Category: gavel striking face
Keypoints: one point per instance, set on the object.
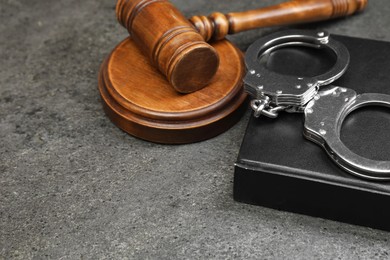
(178, 48)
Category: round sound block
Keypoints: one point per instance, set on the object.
(139, 100)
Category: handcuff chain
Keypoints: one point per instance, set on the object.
(263, 106)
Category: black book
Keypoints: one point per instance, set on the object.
(278, 168)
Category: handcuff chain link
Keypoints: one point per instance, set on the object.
(263, 106)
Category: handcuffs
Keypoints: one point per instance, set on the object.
(324, 110)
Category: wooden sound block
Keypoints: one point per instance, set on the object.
(138, 98)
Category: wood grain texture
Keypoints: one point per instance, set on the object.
(218, 25)
(139, 99)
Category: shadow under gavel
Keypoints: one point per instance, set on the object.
(178, 47)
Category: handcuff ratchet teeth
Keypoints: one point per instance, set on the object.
(324, 110)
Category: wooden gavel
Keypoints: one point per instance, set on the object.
(178, 48)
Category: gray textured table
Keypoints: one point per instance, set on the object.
(73, 186)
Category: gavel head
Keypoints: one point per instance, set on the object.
(170, 41)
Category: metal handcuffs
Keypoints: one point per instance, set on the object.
(324, 110)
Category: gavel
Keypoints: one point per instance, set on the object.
(178, 47)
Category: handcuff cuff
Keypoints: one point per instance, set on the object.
(324, 110)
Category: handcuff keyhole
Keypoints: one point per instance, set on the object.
(301, 61)
(366, 132)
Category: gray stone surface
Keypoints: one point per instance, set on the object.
(73, 186)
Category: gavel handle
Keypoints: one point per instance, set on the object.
(218, 25)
